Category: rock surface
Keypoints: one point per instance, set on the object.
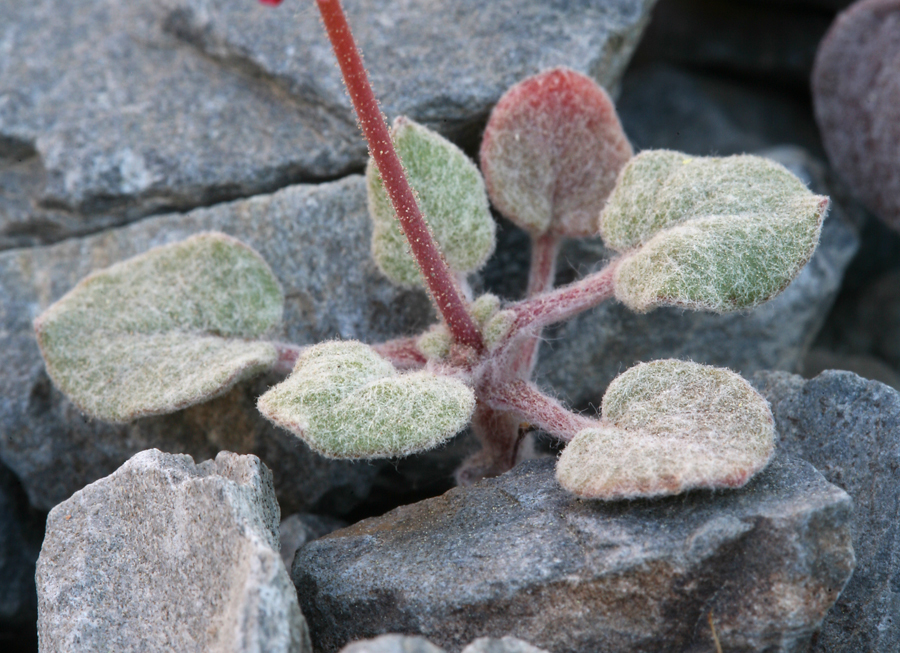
(109, 112)
(583, 355)
(300, 528)
(393, 644)
(849, 428)
(315, 238)
(517, 555)
(856, 93)
(164, 554)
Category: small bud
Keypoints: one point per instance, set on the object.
(670, 426)
(498, 327)
(484, 307)
(451, 195)
(435, 343)
(716, 234)
(163, 330)
(345, 401)
(551, 153)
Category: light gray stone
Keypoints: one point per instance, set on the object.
(128, 120)
(442, 64)
(316, 238)
(503, 645)
(581, 357)
(393, 644)
(166, 555)
(517, 555)
(849, 428)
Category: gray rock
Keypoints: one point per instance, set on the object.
(776, 41)
(393, 644)
(664, 106)
(849, 428)
(503, 645)
(518, 555)
(316, 238)
(21, 532)
(151, 106)
(164, 554)
(128, 120)
(817, 360)
(442, 64)
(300, 528)
(582, 356)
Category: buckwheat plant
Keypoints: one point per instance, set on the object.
(183, 323)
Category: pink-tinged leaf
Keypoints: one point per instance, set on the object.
(551, 153)
(271, 3)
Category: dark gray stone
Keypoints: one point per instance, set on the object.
(316, 238)
(518, 555)
(775, 41)
(166, 555)
(300, 528)
(664, 106)
(582, 356)
(503, 645)
(849, 428)
(818, 360)
(21, 532)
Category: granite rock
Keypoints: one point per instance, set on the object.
(518, 555)
(316, 238)
(849, 428)
(111, 112)
(164, 554)
(127, 120)
(442, 64)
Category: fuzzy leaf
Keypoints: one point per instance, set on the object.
(670, 426)
(345, 401)
(716, 234)
(163, 330)
(551, 153)
(450, 193)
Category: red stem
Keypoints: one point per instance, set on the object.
(564, 302)
(437, 274)
(544, 250)
(538, 409)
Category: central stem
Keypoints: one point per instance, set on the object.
(435, 270)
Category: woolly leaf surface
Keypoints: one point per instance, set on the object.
(717, 234)
(670, 426)
(163, 330)
(345, 401)
(451, 195)
(551, 153)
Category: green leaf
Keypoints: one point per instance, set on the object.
(716, 234)
(670, 426)
(345, 401)
(451, 195)
(163, 330)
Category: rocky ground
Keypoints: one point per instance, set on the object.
(128, 125)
